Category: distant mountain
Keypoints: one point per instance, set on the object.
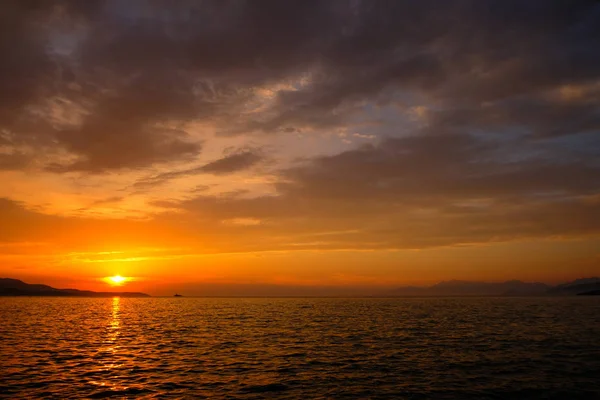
(588, 286)
(15, 287)
(577, 286)
(471, 288)
(580, 281)
(590, 293)
(508, 288)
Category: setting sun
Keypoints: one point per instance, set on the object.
(116, 280)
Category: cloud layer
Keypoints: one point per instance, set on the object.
(328, 124)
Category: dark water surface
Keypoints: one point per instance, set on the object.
(436, 348)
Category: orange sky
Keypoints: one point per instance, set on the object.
(320, 145)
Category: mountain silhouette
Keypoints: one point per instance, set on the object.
(590, 293)
(15, 287)
(508, 288)
(474, 288)
(577, 286)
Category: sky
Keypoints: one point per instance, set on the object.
(290, 145)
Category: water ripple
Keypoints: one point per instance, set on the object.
(469, 348)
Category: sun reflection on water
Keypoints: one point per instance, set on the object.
(114, 325)
(107, 353)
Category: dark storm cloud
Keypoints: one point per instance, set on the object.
(454, 52)
(134, 67)
(545, 115)
(24, 65)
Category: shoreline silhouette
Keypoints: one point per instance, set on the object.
(16, 287)
(512, 288)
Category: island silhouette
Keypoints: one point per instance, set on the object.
(16, 287)
(583, 286)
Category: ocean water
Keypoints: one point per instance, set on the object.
(304, 348)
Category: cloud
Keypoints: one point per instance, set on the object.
(108, 200)
(133, 70)
(14, 161)
(482, 116)
(232, 163)
(240, 160)
(242, 222)
(419, 191)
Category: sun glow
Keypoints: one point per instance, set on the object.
(116, 280)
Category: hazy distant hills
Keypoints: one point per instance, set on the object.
(587, 286)
(508, 288)
(578, 286)
(15, 287)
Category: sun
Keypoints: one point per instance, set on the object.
(116, 280)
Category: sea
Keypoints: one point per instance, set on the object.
(300, 348)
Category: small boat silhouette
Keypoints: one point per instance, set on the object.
(178, 295)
